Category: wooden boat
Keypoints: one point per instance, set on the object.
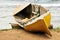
(34, 18)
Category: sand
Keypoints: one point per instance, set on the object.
(20, 34)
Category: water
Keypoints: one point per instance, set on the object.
(55, 12)
(6, 12)
(32, 1)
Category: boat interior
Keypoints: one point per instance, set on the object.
(30, 12)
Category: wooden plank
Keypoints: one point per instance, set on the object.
(20, 8)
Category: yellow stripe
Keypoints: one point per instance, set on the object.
(47, 19)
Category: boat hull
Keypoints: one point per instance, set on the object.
(41, 25)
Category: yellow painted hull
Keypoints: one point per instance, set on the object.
(41, 25)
